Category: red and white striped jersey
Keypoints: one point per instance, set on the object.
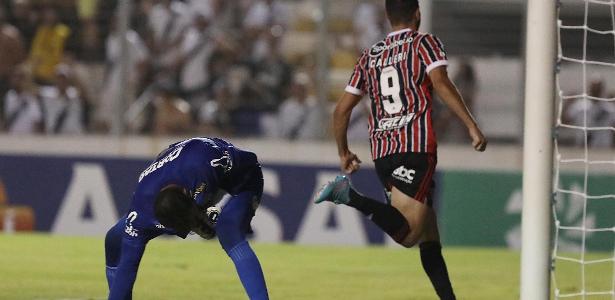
(394, 73)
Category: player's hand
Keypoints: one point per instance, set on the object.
(479, 142)
(349, 162)
(207, 228)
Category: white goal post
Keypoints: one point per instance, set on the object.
(540, 59)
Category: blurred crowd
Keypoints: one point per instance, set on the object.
(207, 67)
(194, 66)
(184, 67)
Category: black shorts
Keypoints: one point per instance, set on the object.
(411, 173)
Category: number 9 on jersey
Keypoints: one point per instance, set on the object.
(390, 89)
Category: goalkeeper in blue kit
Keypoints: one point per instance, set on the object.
(176, 195)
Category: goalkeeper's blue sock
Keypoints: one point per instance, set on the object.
(231, 227)
(249, 271)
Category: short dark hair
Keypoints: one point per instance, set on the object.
(174, 209)
(401, 11)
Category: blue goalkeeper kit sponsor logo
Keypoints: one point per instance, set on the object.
(225, 162)
(129, 229)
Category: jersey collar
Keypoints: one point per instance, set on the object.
(399, 31)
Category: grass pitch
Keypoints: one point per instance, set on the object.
(34, 266)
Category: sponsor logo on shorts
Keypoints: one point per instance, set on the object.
(403, 174)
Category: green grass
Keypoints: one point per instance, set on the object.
(37, 266)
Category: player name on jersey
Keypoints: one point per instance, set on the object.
(376, 51)
(158, 164)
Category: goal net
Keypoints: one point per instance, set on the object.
(583, 257)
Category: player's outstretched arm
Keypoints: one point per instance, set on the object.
(349, 162)
(451, 97)
(126, 274)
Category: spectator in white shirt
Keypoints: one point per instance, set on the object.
(299, 115)
(265, 13)
(592, 112)
(63, 106)
(368, 24)
(196, 50)
(605, 138)
(263, 18)
(137, 58)
(22, 109)
(167, 20)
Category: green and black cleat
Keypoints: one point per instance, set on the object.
(336, 191)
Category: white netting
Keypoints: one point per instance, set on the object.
(584, 174)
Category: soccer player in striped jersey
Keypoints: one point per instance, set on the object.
(399, 75)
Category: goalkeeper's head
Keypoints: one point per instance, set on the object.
(403, 12)
(175, 209)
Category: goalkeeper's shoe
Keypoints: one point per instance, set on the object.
(336, 191)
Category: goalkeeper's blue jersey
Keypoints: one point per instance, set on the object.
(204, 167)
